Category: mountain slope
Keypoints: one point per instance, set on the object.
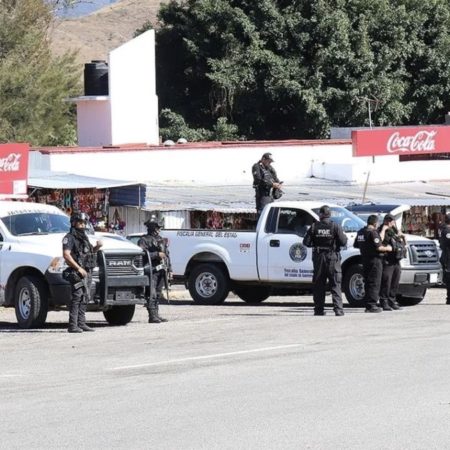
(93, 36)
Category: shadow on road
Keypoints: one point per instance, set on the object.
(11, 327)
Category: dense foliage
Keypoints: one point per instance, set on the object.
(34, 85)
(293, 68)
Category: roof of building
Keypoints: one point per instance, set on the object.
(193, 145)
(241, 198)
(62, 180)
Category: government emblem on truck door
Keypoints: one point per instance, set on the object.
(298, 252)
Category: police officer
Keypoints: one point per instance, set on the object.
(160, 267)
(390, 278)
(444, 242)
(369, 243)
(326, 238)
(78, 253)
(264, 180)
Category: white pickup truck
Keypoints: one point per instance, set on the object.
(31, 266)
(273, 260)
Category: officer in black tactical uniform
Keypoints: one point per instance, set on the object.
(326, 239)
(444, 242)
(79, 255)
(390, 278)
(368, 241)
(160, 267)
(265, 180)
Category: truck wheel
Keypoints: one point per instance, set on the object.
(353, 286)
(252, 294)
(120, 314)
(31, 302)
(208, 284)
(410, 301)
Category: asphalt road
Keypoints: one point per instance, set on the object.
(234, 376)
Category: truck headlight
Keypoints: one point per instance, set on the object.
(57, 265)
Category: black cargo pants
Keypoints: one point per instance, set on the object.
(390, 280)
(327, 267)
(78, 302)
(372, 272)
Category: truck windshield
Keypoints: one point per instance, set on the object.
(36, 223)
(348, 221)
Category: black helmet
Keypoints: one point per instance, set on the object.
(325, 211)
(78, 217)
(152, 225)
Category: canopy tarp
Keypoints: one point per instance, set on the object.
(64, 180)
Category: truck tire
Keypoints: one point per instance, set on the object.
(410, 301)
(208, 284)
(252, 294)
(31, 302)
(120, 314)
(353, 286)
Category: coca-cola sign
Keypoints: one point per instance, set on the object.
(401, 141)
(13, 169)
(10, 163)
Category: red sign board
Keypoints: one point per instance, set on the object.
(401, 141)
(13, 169)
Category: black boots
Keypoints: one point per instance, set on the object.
(153, 312)
(385, 305)
(77, 318)
(394, 305)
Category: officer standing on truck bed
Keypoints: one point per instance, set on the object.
(155, 245)
(369, 242)
(265, 182)
(326, 239)
(79, 255)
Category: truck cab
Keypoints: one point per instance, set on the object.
(31, 266)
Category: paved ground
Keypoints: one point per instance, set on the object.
(234, 376)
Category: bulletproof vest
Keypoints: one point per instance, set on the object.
(267, 176)
(83, 253)
(155, 244)
(366, 244)
(323, 236)
(444, 239)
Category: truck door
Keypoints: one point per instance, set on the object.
(282, 252)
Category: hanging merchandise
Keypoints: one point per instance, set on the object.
(215, 220)
(117, 224)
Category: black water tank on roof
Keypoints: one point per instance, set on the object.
(96, 78)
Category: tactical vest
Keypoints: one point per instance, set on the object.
(323, 236)
(155, 244)
(366, 244)
(83, 253)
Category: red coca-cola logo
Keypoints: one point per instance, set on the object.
(422, 141)
(10, 163)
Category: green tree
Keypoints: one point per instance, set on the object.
(34, 85)
(174, 127)
(293, 68)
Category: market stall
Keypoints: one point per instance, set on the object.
(425, 220)
(96, 197)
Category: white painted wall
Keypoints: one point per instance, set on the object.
(231, 164)
(94, 121)
(132, 90)
(129, 115)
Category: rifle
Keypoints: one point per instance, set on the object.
(87, 289)
(166, 283)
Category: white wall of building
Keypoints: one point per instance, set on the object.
(132, 90)
(129, 114)
(231, 164)
(94, 121)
